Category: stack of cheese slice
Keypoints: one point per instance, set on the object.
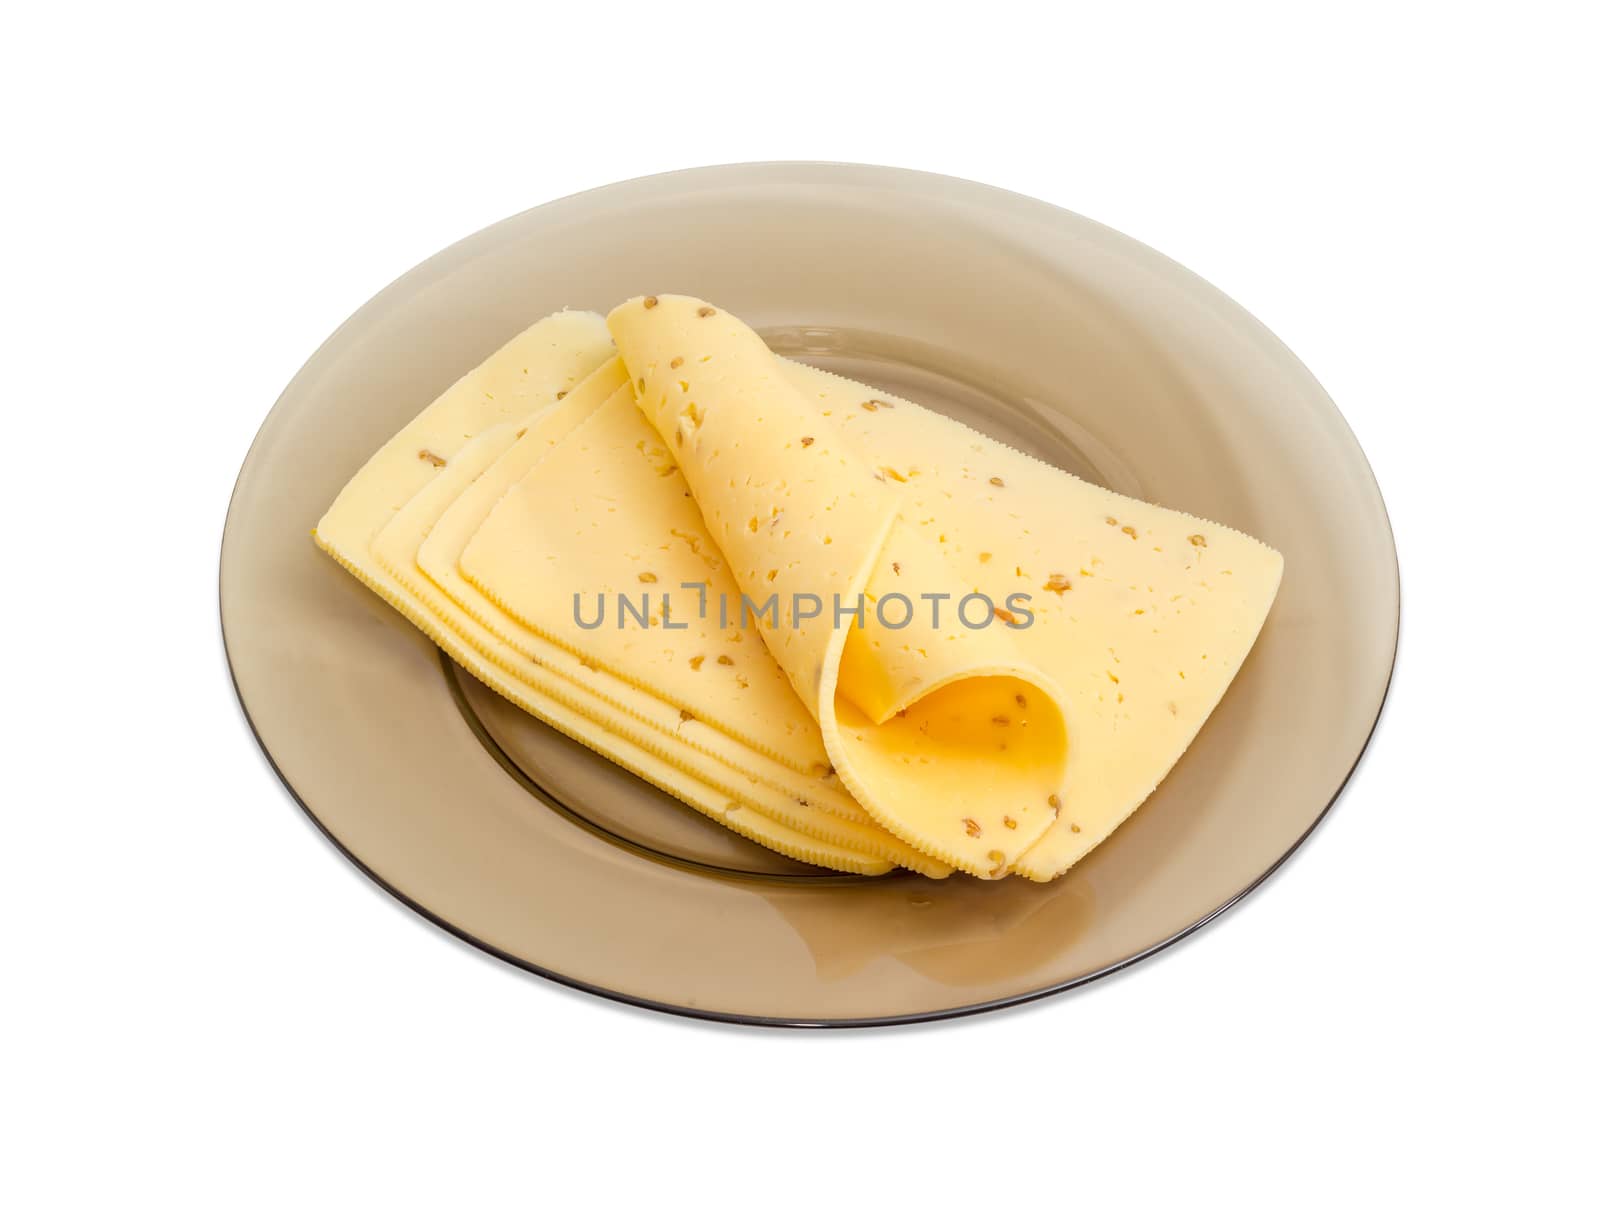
(847, 628)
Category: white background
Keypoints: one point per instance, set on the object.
(208, 1007)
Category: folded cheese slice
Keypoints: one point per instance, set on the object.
(1137, 616)
(934, 719)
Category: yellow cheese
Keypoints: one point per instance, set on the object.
(546, 360)
(698, 457)
(1141, 615)
(944, 731)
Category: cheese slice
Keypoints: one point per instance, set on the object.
(943, 730)
(1139, 616)
(536, 368)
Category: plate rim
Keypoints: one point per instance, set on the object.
(783, 1021)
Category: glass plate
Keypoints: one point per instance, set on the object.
(1032, 324)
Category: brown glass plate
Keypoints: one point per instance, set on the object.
(1043, 329)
